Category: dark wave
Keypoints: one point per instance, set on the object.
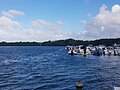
(51, 68)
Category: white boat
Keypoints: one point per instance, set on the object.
(116, 88)
(73, 52)
(93, 50)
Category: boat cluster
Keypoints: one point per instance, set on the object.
(94, 50)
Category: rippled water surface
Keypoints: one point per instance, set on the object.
(51, 68)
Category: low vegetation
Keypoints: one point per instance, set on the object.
(106, 42)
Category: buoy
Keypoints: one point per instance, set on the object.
(79, 85)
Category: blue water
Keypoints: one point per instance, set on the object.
(51, 68)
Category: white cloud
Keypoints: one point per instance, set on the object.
(116, 8)
(45, 25)
(37, 24)
(106, 24)
(12, 13)
(11, 30)
(31, 35)
(60, 22)
(83, 22)
(7, 23)
(8, 27)
(40, 23)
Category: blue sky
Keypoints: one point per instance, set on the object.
(68, 12)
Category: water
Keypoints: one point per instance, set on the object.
(51, 68)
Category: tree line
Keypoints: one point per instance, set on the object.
(73, 42)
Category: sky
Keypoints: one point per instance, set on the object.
(43, 20)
